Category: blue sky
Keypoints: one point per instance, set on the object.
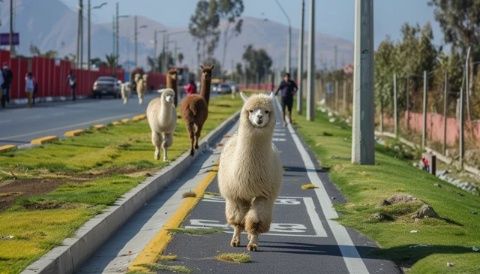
(334, 17)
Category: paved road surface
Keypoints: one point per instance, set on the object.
(304, 237)
(20, 125)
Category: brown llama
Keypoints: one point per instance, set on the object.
(194, 108)
(172, 83)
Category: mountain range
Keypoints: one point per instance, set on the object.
(51, 25)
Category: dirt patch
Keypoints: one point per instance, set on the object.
(10, 191)
(399, 199)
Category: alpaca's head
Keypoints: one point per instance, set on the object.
(136, 77)
(167, 95)
(259, 112)
(207, 72)
(145, 77)
(172, 73)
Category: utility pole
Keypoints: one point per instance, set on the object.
(12, 47)
(300, 61)
(363, 139)
(89, 32)
(289, 39)
(445, 106)
(311, 65)
(461, 142)
(81, 33)
(117, 31)
(335, 57)
(135, 23)
(79, 23)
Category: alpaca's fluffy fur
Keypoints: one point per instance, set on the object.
(141, 82)
(125, 90)
(195, 109)
(162, 119)
(250, 171)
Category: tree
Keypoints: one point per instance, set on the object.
(230, 10)
(111, 61)
(203, 27)
(35, 51)
(385, 67)
(259, 63)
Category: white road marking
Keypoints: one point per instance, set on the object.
(350, 254)
(317, 224)
(279, 201)
(279, 134)
(279, 139)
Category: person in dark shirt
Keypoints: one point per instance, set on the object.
(287, 89)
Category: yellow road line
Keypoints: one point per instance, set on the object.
(159, 242)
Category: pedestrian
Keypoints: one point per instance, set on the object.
(29, 88)
(288, 89)
(72, 83)
(7, 83)
(35, 89)
(1, 89)
(191, 88)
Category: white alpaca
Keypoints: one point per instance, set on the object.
(125, 90)
(234, 91)
(141, 82)
(162, 118)
(250, 171)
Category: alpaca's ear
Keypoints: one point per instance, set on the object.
(271, 95)
(244, 97)
(201, 66)
(160, 90)
(212, 67)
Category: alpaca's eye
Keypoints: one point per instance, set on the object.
(267, 112)
(251, 111)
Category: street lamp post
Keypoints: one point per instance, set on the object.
(89, 30)
(155, 41)
(136, 27)
(289, 38)
(300, 61)
(310, 115)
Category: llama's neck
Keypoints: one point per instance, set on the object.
(171, 83)
(205, 91)
(165, 110)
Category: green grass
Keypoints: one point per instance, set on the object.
(166, 267)
(90, 172)
(239, 258)
(438, 241)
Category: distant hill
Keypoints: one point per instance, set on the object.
(50, 24)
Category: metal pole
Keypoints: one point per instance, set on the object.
(117, 31)
(136, 40)
(81, 34)
(311, 65)
(462, 112)
(12, 47)
(114, 37)
(89, 33)
(155, 44)
(363, 139)
(445, 106)
(424, 123)
(300, 61)
(395, 105)
(77, 57)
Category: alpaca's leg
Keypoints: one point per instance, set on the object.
(140, 97)
(157, 142)
(191, 131)
(167, 142)
(258, 220)
(235, 211)
(197, 135)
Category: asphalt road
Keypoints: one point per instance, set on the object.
(19, 125)
(304, 236)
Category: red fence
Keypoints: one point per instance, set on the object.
(51, 75)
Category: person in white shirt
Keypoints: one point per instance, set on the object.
(29, 88)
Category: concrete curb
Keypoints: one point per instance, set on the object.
(44, 140)
(73, 133)
(75, 250)
(99, 126)
(7, 148)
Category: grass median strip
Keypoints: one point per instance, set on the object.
(78, 177)
(419, 245)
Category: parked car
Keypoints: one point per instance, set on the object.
(106, 85)
(224, 88)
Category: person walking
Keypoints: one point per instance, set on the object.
(288, 88)
(7, 82)
(29, 88)
(72, 83)
(191, 88)
(1, 90)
